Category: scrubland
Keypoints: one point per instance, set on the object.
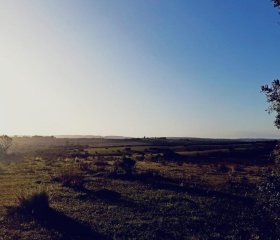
(138, 189)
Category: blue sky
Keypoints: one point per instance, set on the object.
(138, 68)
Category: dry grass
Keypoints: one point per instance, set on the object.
(161, 200)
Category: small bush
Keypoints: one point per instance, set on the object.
(239, 168)
(101, 163)
(268, 198)
(31, 205)
(71, 178)
(85, 166)
(269, 192)
(124, 165)
(149, 175)
(222, 168)
(244, 180)
(169, 154)
(140, 158)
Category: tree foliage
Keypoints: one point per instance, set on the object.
(272, 92)
(276, 3)
(5, 144)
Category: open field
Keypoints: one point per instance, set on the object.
(178, 189)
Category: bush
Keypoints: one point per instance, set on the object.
(85, 166)
(101, 163)
(222, 168)
(268, 198)
(275, 155)
(169, 154)
(269, 192)
(71, 178)
(239, 168)
(149, 175)
(31, 205)
(124, 165)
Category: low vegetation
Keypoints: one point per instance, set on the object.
(30, 205)
(141, 189)
(124, 166)
(71, 177)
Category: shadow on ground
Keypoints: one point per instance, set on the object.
(54, 220)
(108, 196)
(165, 183)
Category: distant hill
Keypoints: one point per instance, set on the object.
(91, 136)
(221, 139)
(77, 136)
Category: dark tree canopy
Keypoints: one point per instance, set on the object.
(276, 3)
(272, 94)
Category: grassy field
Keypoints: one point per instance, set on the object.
(177, 189)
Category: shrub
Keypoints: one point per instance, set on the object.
(34, 204)
(101, 163)
(222, 168)
(275, 155)
(125, 165)
(269, 191)
(85, 166)
(169, 154)
(268, 198)
(139, 158)
(149, 175)
(244, 180)
(71, 178)
(239, 168)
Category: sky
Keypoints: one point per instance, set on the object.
(138, 68)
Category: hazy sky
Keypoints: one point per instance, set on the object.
(135, 68)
